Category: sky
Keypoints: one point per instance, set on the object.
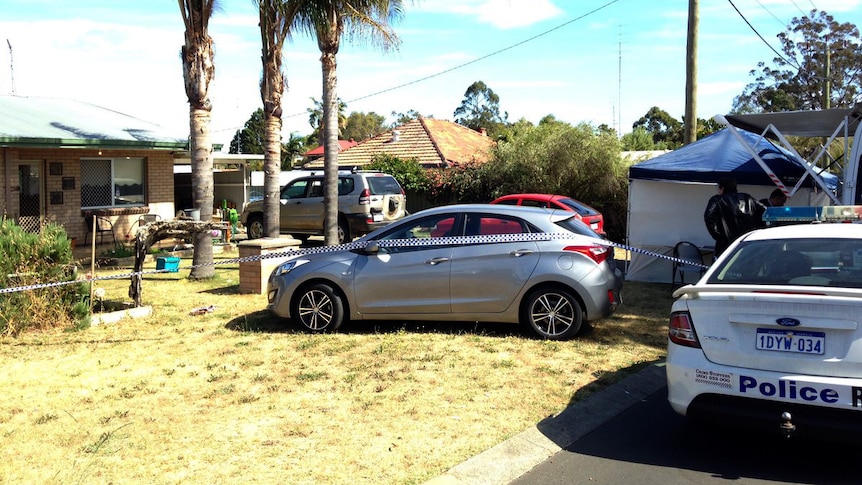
(594, 61)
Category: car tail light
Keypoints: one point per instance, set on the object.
(596, 252)
(681, 330)
(365, 197)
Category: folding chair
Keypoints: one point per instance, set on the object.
(689, 252)
(145, 219)
(103, 226)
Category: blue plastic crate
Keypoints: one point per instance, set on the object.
(171, 264)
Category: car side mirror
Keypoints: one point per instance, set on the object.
(372, 248)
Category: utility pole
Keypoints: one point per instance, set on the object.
(690, 122)
(827, 90)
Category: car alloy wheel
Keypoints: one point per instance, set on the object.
(552, 314)
(319, 309)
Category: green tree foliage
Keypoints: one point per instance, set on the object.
(797, 81)
(410, 115)
(32, 258)
(250, 139)
(362, 126)
(638, 140)
(315, 119)
(407, 172)
(481, 109)
(557, 158)
(292, 150)
(666, 131)
(553, 157)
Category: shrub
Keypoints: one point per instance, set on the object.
(407, 172)
(29, 259)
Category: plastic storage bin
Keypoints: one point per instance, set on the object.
(171, 264)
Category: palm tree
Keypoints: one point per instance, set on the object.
(198, 70)
(315, 118)
(327, 21)
(274, 29)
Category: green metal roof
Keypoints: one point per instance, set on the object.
(64, 123)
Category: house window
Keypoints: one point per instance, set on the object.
(112, 182)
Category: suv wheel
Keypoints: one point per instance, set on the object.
(254, 229)
(343, 232)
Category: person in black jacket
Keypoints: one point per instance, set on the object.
(730, 214)
(776, 199)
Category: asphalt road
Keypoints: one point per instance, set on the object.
(650, 444)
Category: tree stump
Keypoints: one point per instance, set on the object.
(157, 231)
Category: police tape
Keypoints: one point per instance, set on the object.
(382, 243)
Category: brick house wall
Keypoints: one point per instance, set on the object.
(159, 187)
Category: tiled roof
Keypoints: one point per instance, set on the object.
(36, 121)
(432, 142)
(318, 152)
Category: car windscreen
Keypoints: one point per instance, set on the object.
(835, 262)
(581, 209)
(382, 185)
(577, 226)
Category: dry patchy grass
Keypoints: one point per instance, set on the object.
(237, 395)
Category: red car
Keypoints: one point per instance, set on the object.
(589, 215)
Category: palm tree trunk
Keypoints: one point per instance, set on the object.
(271, 170)
(330, 148)
(202, 190)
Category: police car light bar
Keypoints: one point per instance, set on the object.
(835, 213)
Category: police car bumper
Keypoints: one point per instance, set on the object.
(820, 407)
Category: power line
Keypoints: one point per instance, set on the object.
(761, 37)
(797, 7)
(459, 66)
(770, 13)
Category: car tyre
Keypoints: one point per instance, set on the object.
(552, 314)
(343, 232)
(318, 308)
(254, 229)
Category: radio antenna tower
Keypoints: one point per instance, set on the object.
(11, 66)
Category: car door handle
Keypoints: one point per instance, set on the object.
(435, 261)
(521, 252)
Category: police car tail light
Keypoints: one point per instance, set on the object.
(681, 330)
(596, 252)
(365, 197)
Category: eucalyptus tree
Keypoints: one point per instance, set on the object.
(198, 55)
(819, 67)
(327, 21)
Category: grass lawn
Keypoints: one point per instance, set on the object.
(237, 395)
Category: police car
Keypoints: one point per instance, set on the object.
(771, 336)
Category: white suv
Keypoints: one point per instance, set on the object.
(366, 201)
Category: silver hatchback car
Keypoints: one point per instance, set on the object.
(490, 263)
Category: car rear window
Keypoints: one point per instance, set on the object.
(582, 209)
(577, 226)
(382, 185)
(797, 262)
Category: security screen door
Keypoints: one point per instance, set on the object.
(30, 200)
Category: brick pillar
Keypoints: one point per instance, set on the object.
(253, 275)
